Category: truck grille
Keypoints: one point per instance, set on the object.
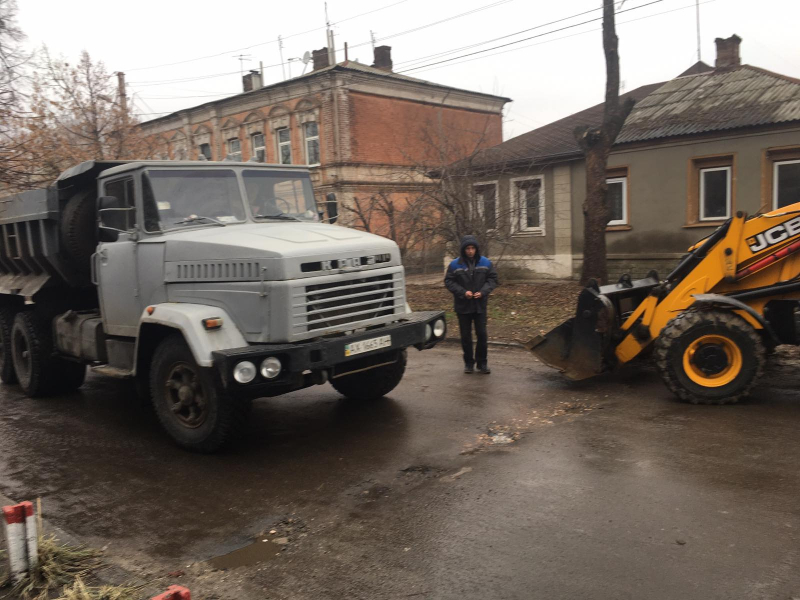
(326, 307)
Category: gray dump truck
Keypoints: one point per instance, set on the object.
(207, 284)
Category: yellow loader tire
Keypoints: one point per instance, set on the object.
(709, 356)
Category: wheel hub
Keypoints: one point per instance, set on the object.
(185, 396)
(711, 359)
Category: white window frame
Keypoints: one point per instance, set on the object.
(624, 181)
(519, 213)
(307, 138)
(286, 143)
(481, 205)
(230, 150)
(775, 166)
(729, 171)
(255, 148)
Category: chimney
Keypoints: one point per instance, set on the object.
(383, 58)
(252, 81)
(320, 59)
(728, 52)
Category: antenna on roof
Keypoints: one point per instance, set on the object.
(372, 37)
(331, 47)
(280, 51)
(242, 58)
(697, 5)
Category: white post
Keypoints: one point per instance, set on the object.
(31, 535)
(14, 520)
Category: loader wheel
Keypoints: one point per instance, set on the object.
(709, 356)
(189, 403)
(372, 384)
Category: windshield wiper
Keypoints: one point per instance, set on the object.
(194, 218)
(281, 216)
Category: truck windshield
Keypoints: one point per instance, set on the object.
(175, 198)
(279, 195)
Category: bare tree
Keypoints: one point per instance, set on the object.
(596, 143)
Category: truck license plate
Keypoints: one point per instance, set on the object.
(367, 345)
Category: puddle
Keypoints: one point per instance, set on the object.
(257, 552)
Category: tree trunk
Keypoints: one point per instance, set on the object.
(596, 143)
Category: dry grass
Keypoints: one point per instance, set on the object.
(58, 566)
(80, 591)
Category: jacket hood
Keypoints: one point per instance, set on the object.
(470, 240)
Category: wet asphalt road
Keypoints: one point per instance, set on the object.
(516, 485)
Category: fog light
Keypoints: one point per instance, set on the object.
(270, 367)
(439, 328)
(244, 372)
(428, 332)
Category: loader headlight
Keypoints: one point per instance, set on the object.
(244, 372)
(270, 367)
(439, 328)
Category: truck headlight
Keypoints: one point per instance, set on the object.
(439, 328)
(244, 372)
(428, 332)
(270, 367)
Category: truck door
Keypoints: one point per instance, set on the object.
(116, 268)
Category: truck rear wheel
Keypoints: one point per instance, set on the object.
(40, 373)
(190, 405)
(709, 356)
(372, 384)
(7, 373)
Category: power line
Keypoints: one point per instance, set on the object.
(286, 37)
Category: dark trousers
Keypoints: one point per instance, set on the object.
(465, 322)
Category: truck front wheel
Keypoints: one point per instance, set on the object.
(372, 384)
(189, 403)
(7, 373)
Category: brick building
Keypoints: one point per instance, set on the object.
(363, 129)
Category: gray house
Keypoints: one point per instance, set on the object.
(693, 151)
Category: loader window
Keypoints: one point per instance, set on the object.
(715, 193)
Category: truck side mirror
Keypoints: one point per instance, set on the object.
(332, 206)
(113, 218)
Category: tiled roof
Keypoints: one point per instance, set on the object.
(715, 101)
(701, 100)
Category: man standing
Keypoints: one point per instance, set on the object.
(471, 278)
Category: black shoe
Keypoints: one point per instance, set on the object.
(469, 369)
(485, 370)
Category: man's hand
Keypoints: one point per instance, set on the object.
(468, 294)
(477, 295)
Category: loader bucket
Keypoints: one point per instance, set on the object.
(583, 346)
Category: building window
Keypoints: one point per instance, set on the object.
(284, 146)
(235, 149)
(715, 193)
(486, 199)
(528, 204)
(617, 199)
(785, 183)
(311, 130)
(205, 150)
(259, 147)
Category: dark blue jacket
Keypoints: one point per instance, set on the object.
(465, 275)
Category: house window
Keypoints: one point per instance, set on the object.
(259, 147)
(205, 150)
(311, 130)
(617, 199)
(528, 204)
(486, 198)
(235, 149)
(284, 146)
(785, 183)
(715, 193)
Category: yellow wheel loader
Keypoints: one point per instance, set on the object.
(709, 324)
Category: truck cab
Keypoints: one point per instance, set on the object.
(216, 283)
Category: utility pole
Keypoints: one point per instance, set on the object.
(280, 51)
(123, 99)
(331, 47)
(697, 6)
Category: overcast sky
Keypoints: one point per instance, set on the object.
(547, 77)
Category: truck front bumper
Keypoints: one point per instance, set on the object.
(304, 364)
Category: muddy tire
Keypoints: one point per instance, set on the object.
(372, 384)
(39, 371)
(7, 373)
(709, 356)
(189, 402)
(79, 232)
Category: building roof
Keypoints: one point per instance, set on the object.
(717, 100)
(348, 66)
(700, 100)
